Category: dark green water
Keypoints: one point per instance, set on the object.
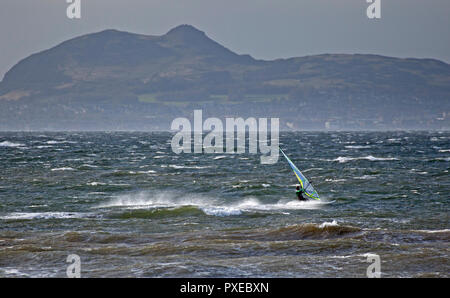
(129, 207)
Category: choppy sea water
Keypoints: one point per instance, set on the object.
(129, 207)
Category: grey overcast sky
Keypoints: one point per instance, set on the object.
(265, 29)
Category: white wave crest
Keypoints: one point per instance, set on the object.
(10, 144)
(342, 159)
(433, 231)
(43, 215)
(358, 147)
(328, 224)
(63, 169)
(221, 211)
(188, 167)
(364, 177)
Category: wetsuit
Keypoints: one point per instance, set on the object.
(299, 194)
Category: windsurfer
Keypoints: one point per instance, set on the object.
(299, 192)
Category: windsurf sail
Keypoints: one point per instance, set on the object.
(306, 185)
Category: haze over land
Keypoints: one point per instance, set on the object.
(118, 80)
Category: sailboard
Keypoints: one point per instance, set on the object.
(304, 182)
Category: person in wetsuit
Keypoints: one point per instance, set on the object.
(299, 192)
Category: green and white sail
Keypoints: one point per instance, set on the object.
(306, 185)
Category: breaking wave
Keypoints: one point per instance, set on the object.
(324, 230)
(173, 203)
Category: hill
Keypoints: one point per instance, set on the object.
(118, 80)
